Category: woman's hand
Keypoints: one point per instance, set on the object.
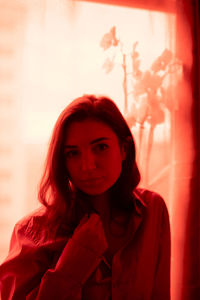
(90, 234)
(83, 252)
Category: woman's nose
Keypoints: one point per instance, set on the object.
(88, 161)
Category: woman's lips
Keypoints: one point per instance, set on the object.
(91, 181)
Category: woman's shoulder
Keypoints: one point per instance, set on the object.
(149, 198)
(35, 217)
(153, 204)
(31, 239)
(33, 226)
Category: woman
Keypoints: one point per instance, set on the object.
(96, 236)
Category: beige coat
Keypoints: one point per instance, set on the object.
(37, 268)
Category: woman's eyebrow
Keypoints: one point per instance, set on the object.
(92, 142)
(70, 146)
(99, 140)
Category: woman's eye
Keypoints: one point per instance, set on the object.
(71, 153)
(101, 147)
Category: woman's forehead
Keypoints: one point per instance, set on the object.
(88, 130)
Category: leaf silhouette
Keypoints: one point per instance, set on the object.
(108, 65)
(162, 61)
(135, 62)
(156, 114)
(109, 39)
(148, 83)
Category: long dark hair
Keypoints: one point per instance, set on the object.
(63, 204)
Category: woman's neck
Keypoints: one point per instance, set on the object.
(101, 204)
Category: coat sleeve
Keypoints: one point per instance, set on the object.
(161, 289)
(28, 272)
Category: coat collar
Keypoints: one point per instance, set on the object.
(136, 220)
(139, 203)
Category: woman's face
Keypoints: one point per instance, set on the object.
(93, 156)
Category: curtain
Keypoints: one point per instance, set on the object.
(185, 211)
